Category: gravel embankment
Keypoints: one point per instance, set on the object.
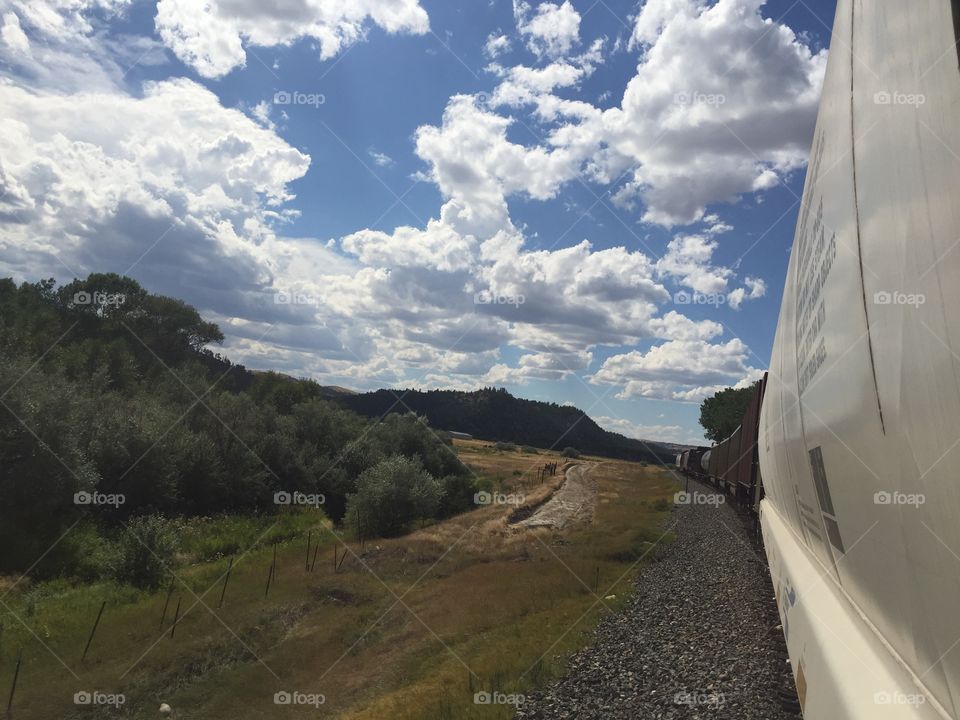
(699, 639)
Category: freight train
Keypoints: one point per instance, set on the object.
(851, 462)
(732, 465)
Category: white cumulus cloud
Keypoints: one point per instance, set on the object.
(211, 36)
(551, 30)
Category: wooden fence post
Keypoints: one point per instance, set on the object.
(226, 579)
(93, 630)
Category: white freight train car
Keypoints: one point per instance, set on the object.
(860, 429)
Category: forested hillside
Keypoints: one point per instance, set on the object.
(495, 414)
(113, 407)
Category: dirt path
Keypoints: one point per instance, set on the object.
(572, 503)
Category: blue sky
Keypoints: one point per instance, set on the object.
(584, 202)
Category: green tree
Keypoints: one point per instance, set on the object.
(147, 549)
(44, 432)
(392, 495)
(721, 414)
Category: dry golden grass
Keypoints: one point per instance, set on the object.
(409, 630)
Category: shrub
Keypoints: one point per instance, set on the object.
(570, 452)
(457, 497)
(147, 548)
(506, 446)
(530, 450)
(392, 495)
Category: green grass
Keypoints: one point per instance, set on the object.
(207, 539)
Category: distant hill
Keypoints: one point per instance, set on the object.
(495, 414)
(335, 391)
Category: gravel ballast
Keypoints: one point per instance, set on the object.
(700, 638)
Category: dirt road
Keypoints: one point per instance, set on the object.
(572, 503)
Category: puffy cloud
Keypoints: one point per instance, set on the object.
(210, 36)
(685, 370)
(13, 35)
(755, 288)
(497, 44)
(70, 50)
(477, 167)
(551, 30)
(722, 103)
(171, 181)
(438, 246)
(688, 259)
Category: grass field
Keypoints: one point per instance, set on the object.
(407, 628)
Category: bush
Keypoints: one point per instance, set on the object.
(530, 450)
(506, 446)
(570, 452)
(147, 548)
(392, 495)
(458, 492)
